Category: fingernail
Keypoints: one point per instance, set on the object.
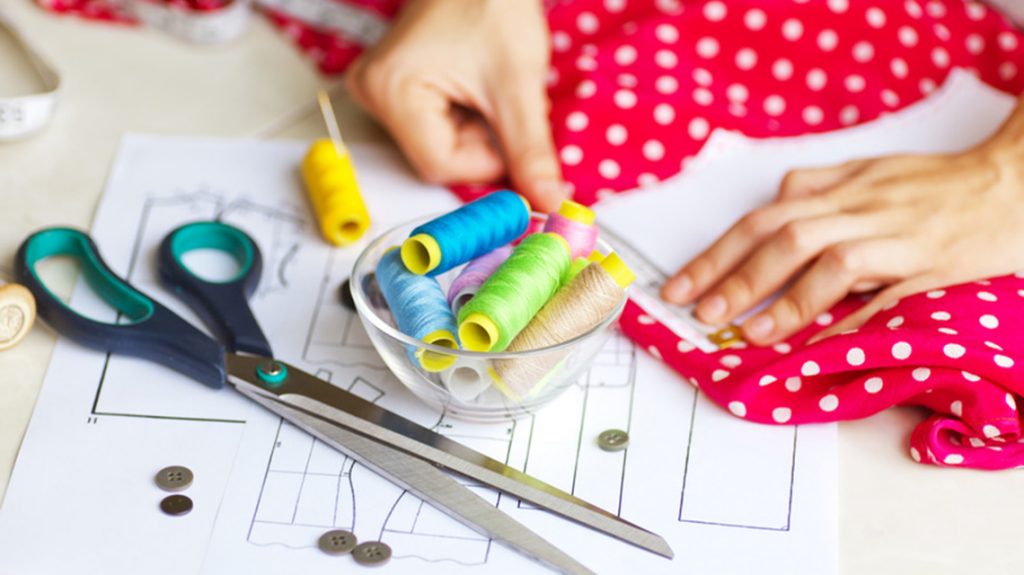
(678, 290)
(711, 309)
(760, 327)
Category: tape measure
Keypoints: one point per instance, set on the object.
(21, 116)
(217, 25)
(645, 292)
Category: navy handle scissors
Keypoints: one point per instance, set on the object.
(408, 454)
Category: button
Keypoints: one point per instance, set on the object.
(372, 553)
(337, 542)
(176, 505)
(613, 440)
(174, 478)
(345, 295)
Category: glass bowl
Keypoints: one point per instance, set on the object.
(478, 386)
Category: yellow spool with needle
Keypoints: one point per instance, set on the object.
(331, 184)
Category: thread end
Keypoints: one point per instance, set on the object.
(618, 270)
(478, 332)
(435, 361)
(421, 253)
(576, 212)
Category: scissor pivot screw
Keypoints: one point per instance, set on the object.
(272, 372)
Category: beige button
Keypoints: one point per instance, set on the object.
(371, 553)
(174, 478)
(613, 440)
(337, 542)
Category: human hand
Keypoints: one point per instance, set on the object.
(905, 224)
(462, 88)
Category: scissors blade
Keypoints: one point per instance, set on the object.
(314, 395)
(430, 484)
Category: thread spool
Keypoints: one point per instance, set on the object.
(466, 379)
(17, 314)
(334, 193)
(467, 233)
(575, 223)
(576, 309)
(516, 291)
(420, 309)
(476, 272)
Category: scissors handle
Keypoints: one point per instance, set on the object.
(152, 331)
(222, 304)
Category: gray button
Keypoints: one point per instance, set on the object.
(174, 478)
(176, 505)
(345, 295)
(372, 553)
(337, 542)
(613, 440)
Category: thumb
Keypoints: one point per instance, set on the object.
(520, 120)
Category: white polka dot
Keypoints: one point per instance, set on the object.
(854, 83)
(737, 93)
(698, 128)
(793, 384)
(810, 368)
(970, 376)
(824, 319)
(1007, 70)
(646, 180)
(921, 374)
(987, 296)
(813, 115)
(873, 385)
(746, 59)
(615, 6)
(719, 375)
(666, 85)
(876, 17)
(586, 63)
(988, 320)
(571, 155)
(774, 105)
(953, 350)
(941, 316)
(616, 134)
(587, 22)
(664, 114)
(940, 57)
(838, 6)
(792, 29)
(849, 115)
(781, 414)
(901, 350)
(927, 86)
(993, 345)
(827, 40)
(667, 33)
(890, 98)
(935, 9)
(766, 380)
(560, 41)
(1010, 401)
(782, 347)
(915, 454)
(947, 331)
(1020, 292)
(645, 319)
(935, 294)
(942, 32)
(953, 459)
(731, 361)
(1003, 361)
(586, 89)
(1007, 41)
(703, 96)
(702, 77)
(975, 11)
(913, 9)
(684, 346)
(816, 79)
(855, 356)
(653, 150)
(715, 11)
(707, 47)
(738, 408)
(829, 403)
(975, 442)
(609, 169)
(957, 408)
(627, 80)
(625, 99)
(782, 69)
(907, 36)
(899, 67)
(666, 58)
(625, 55)
(863, 51)
(990, 431)
(576, 121)
(754, 19)
(894, 322)
(975, 44)
(737, 109)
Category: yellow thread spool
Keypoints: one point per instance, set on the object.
(333, 190)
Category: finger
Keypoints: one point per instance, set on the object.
(827, 281)
(734, 246)
(779, 258)
(809, 181)
(884, 300)
(520, 119)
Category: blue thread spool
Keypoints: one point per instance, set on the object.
(420, 309)
(467, 233)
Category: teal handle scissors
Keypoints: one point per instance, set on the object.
(413, 457)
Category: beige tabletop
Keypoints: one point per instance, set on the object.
(895, 516)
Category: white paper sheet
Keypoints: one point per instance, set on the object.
(729, 496)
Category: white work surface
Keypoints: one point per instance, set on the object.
(895, 516)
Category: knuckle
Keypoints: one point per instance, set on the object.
(791, 310)
(758, 222)
(845, 259)
(702, 270)
(739, 289)
(796, 236)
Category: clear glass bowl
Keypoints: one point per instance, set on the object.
(470, 387)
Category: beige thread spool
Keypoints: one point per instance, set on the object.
(17, 314)
(576, 309)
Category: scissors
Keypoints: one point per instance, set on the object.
(411, 456)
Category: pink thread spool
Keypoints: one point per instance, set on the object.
(575, 223)
(474, 275)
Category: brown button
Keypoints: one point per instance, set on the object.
(176, 505)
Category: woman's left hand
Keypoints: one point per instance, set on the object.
(905, 224)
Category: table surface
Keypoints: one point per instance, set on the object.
(895, 516)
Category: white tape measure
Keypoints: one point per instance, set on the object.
(21, 116)
(198, 27)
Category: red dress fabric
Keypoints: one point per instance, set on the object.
(638, 86)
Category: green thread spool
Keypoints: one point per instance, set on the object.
(516, 291)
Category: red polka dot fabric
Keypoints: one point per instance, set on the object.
(638, 86)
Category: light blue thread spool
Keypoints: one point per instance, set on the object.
(420, 309)
(466, 233)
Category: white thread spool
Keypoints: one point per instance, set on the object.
(466, 379)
